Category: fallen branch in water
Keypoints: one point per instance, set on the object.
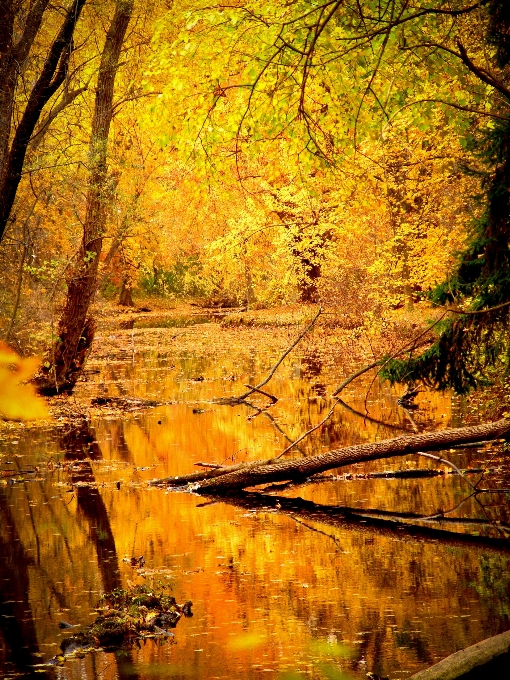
(266, 394)
(416, 473)
(482, 656)
(380, 363)
(445, 461)
(245, 475)
(238, 400)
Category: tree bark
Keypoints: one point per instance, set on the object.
(12, 57)
(490, 657)
(223, 480)
(65, 360)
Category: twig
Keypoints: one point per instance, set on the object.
(497, 526)
(287, 351)
(319, 531)
(442, 513)
(337, 400)
(381, 362)
(411, 419)
(352, 377)
(446, 462)
(272, 421)
(266, 394)
(312, 429)
(391, 426)
(259, 411)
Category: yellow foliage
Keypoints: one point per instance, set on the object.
(18, 401)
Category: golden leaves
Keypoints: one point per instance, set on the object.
(18, 401)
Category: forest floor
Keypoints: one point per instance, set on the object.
(127, 333)
(176, 328)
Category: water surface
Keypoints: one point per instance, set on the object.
(280, 591)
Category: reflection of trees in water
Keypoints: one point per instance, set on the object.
(17, 626)
(311, 367)
(118, 443)
(80, 446)
(412, 549)
(80, 442)
(92, 508)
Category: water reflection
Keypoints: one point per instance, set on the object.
(284, 587)
(17, 627)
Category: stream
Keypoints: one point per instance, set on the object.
(276, 592)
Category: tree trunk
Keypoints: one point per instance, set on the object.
(275, 470)
(126, 293)
(13, 54)
(308, 290)
(76, 330)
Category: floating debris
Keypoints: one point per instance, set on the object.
(135, 561)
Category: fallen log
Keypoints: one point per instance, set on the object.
(274, 470)
(489, 658)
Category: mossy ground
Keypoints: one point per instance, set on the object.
(124, 618)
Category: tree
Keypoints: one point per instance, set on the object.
(333, 74)
(476, 338)
(15, 66)
(76, 328)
